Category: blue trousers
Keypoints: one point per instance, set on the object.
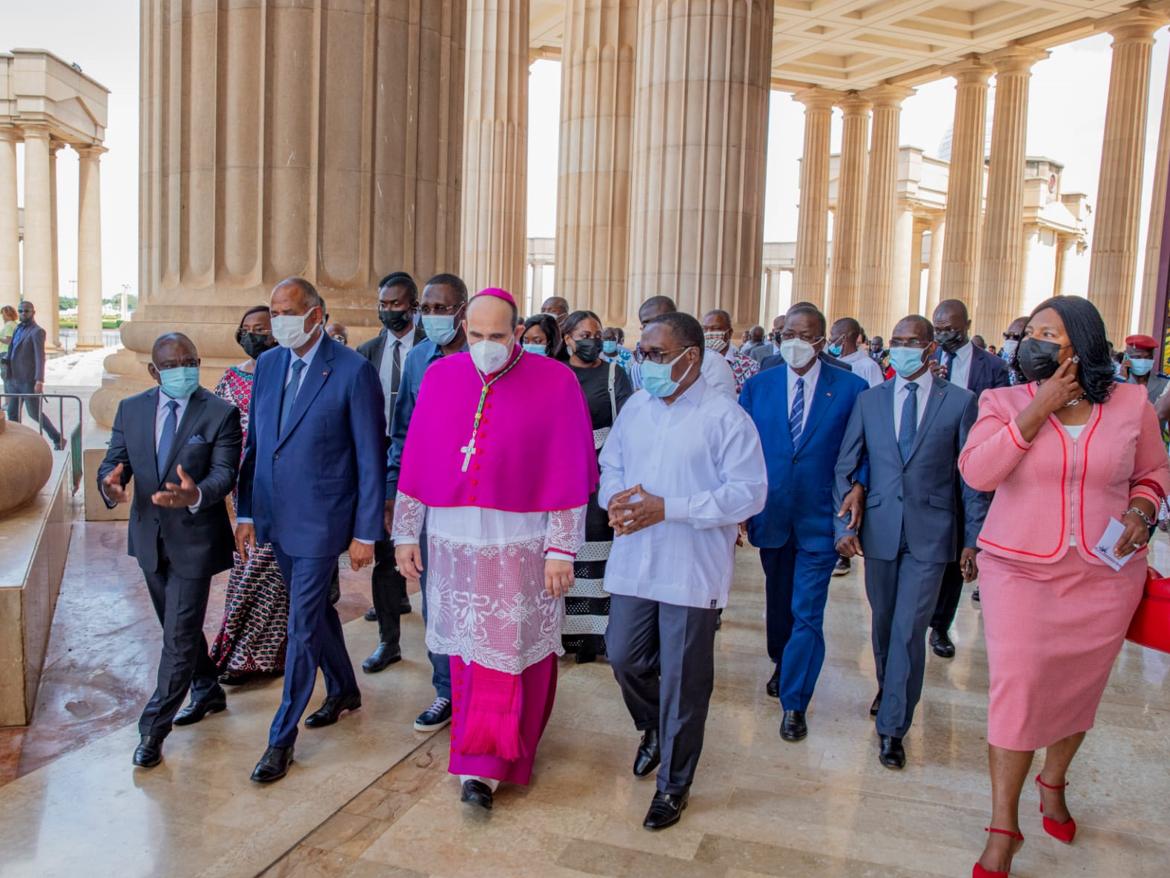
(796, 586)
(440, 664)
(315, 641)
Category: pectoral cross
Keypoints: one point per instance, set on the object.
(467, 450)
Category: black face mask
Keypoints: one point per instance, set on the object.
(253, 343)
(395, 321)
(587, 349)
(1037, 359)
(950, 340)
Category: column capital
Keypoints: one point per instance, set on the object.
(35, 131)
(10, 133)
(817, 98)
(55, 146)
(887, 95)
(853, 104)
(971, 70)
(1016, 59)
(89, 150)
(1136, 25)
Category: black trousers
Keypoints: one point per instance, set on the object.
(948, 597)
(32, 406)
(388, 588)
(180, 604)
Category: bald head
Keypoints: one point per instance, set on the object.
(171, 346)
(298, 292)
(558, 306)
(490, 318)
(845, 332)
(654, 307)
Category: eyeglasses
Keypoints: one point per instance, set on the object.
(1012, 336)
(789, 336)
(429, 309)
(654, 356)
(908, 343)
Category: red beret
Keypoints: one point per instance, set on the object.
(1142, 342)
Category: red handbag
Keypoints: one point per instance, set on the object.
(1150, 626)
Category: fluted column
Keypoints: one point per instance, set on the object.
(52, 339)
(1113, 269)
(812, 231)
(89, 247)
(9, 218)
(593, 182)
(879, 305)
(700, 141)
(903, 295)
(938, 235)
(1001, 269)
(845, 300)
(495, 145)
(958, 276)
(323, 140)
(1155, 230)
(38, 227)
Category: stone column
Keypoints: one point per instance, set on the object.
(38, 227)
(812, 231)
(1001, 270)
(700, 141)
(593, 183)
(538, 285)
(256, 164)
(1113, 269)
(903, 297)
(495, 145)
(52, 337)
(880, 306)
(938, 231)
(89, 247)
(1148, 319)
(847, 227)
(9, 219)
(1068, 252)
(959, 271)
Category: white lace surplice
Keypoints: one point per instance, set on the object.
(486, 601)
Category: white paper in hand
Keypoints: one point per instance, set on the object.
(1104, 547)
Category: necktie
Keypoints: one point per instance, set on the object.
(396, 369)
(949, 363)
(166, 439)
(909, 428)
(796, 416)
(290, 394)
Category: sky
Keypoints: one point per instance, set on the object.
(1065, 122)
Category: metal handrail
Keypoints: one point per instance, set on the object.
(22, 402)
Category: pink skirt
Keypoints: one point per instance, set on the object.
(1053, 632)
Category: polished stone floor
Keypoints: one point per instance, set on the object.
(370, 797)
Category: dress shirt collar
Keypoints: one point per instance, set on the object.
(692, 396)
(962, 355)
(161, 409)
(310, 353)
(923, 381)
(855, 357)
(810, 378)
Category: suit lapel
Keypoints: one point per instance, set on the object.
(380, 350)
(938, 392)
(314, 379)
(886, 410)
(782, 411)
(149, 414)
(822, 398)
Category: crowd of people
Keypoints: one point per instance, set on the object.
(551, 490)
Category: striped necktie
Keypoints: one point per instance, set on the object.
(796, 416)
(166, 438)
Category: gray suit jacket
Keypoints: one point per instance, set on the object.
(26, 354)
(921, 496)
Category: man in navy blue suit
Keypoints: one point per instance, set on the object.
(312, 483)
(962, 363)
(800, 409)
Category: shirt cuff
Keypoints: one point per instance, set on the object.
(243, 520)
(194, 507)
(363, 542)
(677, 508)
(557, 555)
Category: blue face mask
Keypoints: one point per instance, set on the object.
(835, 349)
(440, 328)
(906, 361)
(538, 349)
(180, 382)
(656, 377)
(1141, 367)
(609, 346)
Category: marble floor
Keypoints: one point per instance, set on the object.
(371, 797)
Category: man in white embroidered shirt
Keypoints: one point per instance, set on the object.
(681, 469)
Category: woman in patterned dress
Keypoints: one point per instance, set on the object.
(254, 631)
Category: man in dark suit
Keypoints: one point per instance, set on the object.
(312, 483)
(897, 475)
(397, 306)
(26, 371)
(181, 445)
(964, 364)
(800, 410)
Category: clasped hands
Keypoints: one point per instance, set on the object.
(627, 516)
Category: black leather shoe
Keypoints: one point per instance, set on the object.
(476, 792)
(381, 658)
(877, 704)
(648, 755)
(793, 727)
(148, 753)
(773, 687)
(196, 710)
(665, 810)
(405, 608)
(273, 765)
(941, 644)
(327, 714)
(975, 595)
(891, 755)
(371, 615)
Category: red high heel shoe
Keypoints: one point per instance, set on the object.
(1062, 832)
(981, 872)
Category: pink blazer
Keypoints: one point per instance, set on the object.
(1053, 485)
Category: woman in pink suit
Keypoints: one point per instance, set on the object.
(1064, 454)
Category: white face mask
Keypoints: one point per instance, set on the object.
(797, 352)
(489, 356)
(1010, 345)
(289, 330)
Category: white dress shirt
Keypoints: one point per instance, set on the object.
(810, 387)
(864, 366)
(717, 373)
(961, 367)
(307, 359)
(386, 371)
(702, 455)
(925, 382)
